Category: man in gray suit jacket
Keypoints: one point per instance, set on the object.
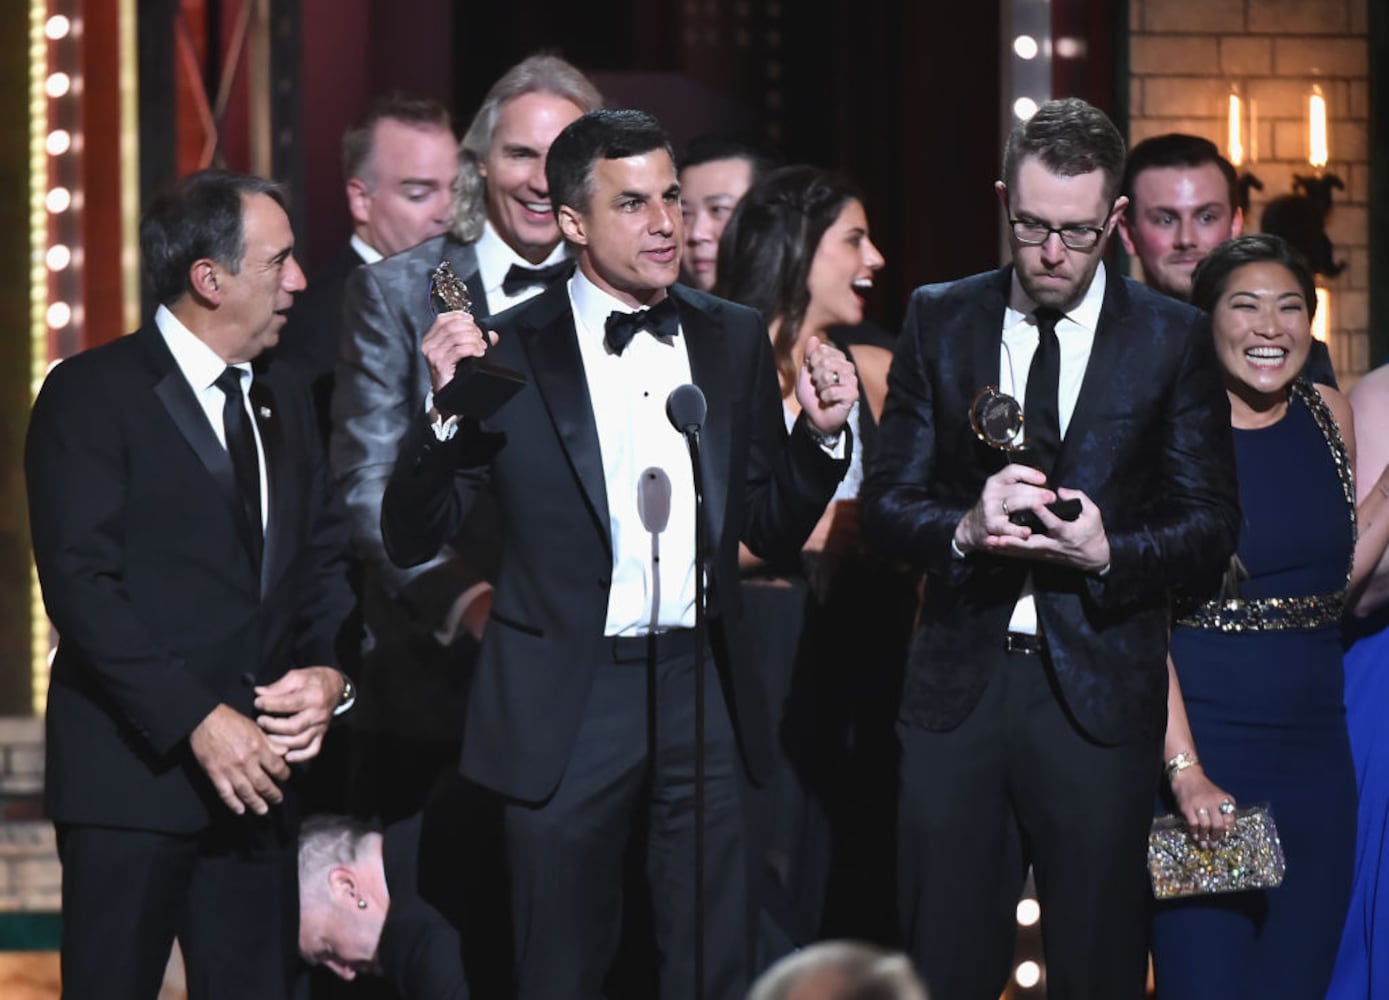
(505, 246)
(400, 166)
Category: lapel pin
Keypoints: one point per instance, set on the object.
(265, 413)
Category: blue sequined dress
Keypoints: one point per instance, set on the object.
(1362, 967)
(1262, 681)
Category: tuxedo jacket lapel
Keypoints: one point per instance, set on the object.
(279, 474)
(983, 324)
(708, 354)
(1100, 380)
(189, 418)
(552, 345)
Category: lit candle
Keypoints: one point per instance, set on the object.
(1234, 141)
(1321, 322)
(1318, 151)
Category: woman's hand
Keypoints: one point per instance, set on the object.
(1208, 809)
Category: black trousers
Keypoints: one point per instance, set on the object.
(230, 896)
(1018, 783)
(627, 792)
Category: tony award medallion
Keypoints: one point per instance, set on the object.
(997, 420)
(478, 387)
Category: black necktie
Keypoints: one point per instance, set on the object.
(241, 446)
(661, 320)
(519, 278)
(1043, 379)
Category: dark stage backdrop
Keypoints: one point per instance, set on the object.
(902, 96)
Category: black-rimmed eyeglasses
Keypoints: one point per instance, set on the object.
(1034, 234)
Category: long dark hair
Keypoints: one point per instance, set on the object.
(769, 243)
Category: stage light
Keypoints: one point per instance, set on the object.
(1029, 912)
(1028, 974)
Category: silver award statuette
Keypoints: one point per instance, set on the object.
(997, 420)
(478, 387)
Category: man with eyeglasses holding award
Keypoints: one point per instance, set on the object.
(1055, 455)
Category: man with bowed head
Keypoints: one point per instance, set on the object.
(1035, 695)
(399, 161)
(580, 721)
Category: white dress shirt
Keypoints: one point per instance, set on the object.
(645, 459)
(201, 366)
(1075, 332)
(494, 260)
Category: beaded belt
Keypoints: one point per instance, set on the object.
(1267, 614)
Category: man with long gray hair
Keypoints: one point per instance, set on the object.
(422, 623)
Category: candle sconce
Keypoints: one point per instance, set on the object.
(1246, 182)
(1298, 217)
(1238, 129)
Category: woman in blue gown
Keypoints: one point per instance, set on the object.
(1255, 666)
(1362, 966)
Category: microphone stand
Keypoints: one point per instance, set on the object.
(692, 440)
(687, 409)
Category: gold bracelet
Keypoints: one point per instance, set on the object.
(1179, 763)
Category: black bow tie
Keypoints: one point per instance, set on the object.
(661, 320)
(519, 278)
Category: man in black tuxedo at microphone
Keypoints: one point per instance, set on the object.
(580, 722)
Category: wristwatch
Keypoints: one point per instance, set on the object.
(347, 699)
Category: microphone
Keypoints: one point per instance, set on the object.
(653, 507)
(686, 408)
(653, 500)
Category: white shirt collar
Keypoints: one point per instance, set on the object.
(365, 250)
(592, 305)
(200, 364)
(1085, 314)
(495, 258)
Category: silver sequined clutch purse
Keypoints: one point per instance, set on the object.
(1249, 858)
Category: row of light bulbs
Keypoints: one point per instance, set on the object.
(59, 199)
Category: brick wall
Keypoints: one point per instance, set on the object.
(1185, 54)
